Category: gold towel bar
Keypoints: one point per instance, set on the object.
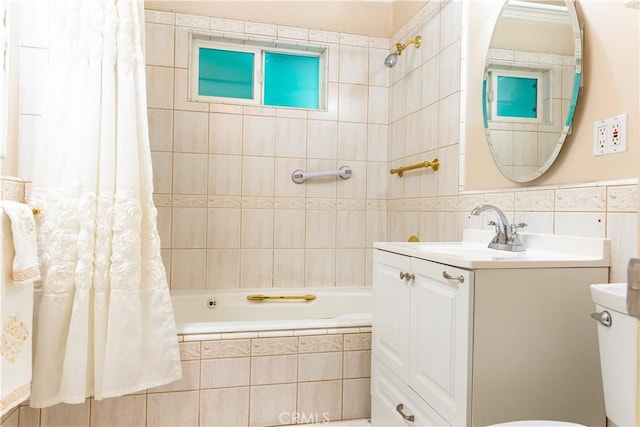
(259, 297)
(435, 164)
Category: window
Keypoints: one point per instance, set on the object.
(257, 73)
(518, 96)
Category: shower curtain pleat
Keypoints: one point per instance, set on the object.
(105, 325)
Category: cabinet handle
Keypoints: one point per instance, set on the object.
(400, 409)
(447, 276)
(407, 276)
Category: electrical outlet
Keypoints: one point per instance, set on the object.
(610, 135)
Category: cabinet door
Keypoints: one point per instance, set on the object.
(440, 341)
(390, 322)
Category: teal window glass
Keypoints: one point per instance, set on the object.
(517, 97)
(291, 80)
(225, 73)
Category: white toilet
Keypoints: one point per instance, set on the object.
(619, 341)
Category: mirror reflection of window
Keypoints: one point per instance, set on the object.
(4, 66)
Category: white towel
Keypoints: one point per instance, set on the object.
(18, 270)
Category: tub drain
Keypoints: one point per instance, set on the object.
(212, 303)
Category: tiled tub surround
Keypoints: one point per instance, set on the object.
(229, 214)
(240, 380)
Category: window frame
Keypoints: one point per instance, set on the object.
(541, 90)
(257, 47)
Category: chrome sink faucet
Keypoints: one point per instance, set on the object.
(506, 237)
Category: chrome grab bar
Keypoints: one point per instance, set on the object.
(260, 297)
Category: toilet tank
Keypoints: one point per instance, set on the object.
(619, 353)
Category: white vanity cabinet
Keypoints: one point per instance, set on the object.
(455, 345)
(421, 330)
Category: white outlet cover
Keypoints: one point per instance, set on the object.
(610, 135)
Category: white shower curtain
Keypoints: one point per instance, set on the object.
(105, 325)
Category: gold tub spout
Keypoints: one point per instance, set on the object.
(261, 297)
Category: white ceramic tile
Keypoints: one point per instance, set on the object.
(377, 142)
(190, 351)
(397, 102)
(622, 229)
(323, 398)
(297, 33)
(232, 372)
(223, 228)
(257, 176)
(160, 17)
(350, 229)
(289, 226)
(350, 267)
(190, 132)
(378, 105)
(274, 346)
(181, 55)
(188, 268)
(190, 379)
(189, 227)
(449, 121)
(29, 131)
(269, 402)
(257, 228)
(227, 25)
(291, 137)
(224, 407)
(225, 134)
(225, 175)
(537, 222)
(322, 139)
(260, 29)
(163, 171)
(160, 129)
(430, 86)
(321, 343)
(378, 73)
(359, 341)
(356, 402)
(581, 199)
(541, 200)
(352, 141)
(226, 348)
(256, 268)
(354, 39)
(182, 94)
(622, 199)
(319, 267)
(450, 19)
(173, 409)
(159, 87)
(357, 364)
(258, 136)
(580, 224)
(320, 366)
(65, 415)
(223, 268)
(320, 228)
(449, 70)
(525, 152)
(159, 49)
(354, 64)
(324, 36)
(274, 369)
(353, 103)
(189, 173)
(193, 21)
(284, 185)
(288, 267)
(164, 226)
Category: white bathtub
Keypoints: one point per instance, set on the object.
(210, 312)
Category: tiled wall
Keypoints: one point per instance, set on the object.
(432, 205)
(13, 189)
(229, 214)
(239, 381)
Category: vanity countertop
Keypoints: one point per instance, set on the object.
(543, 251)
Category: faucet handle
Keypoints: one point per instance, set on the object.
(514, 227)
(495, 224)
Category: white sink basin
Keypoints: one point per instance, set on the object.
(611, 295)
(541, 251)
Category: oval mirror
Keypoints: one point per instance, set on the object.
(531, 84)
